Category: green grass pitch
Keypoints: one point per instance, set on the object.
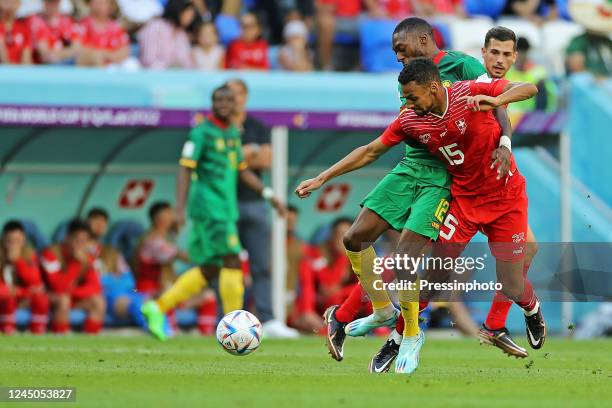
(190, 371)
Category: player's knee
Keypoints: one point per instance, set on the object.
(513, 289)
(98, 304)
(531, 249)
(62, 303)
(353, 239)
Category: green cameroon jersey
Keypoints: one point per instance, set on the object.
(214, 152)
(454, 66)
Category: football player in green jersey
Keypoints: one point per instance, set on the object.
(211, 164)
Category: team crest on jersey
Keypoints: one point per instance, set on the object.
(446, 83)
(220, 144)
(425, 138)
(461, 125)
(518, 238)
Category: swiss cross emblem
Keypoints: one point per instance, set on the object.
(333, 197)
(461, 125)
(135, 193)
(425, 138)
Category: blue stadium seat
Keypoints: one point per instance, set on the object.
(376, 54)
(34, 235)
(445, 31)
(186, 318)
(61, 231)
(491, 8)
(124, 236)
(563, 7)
(228, 28)
(77, 317)
(273, 57)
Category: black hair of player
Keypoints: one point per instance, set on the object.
(414, 25)
(156, 208)
(420, 70)
(522, 44)
(97, 212)
(77, 225)
(174, 9)
(500, 33)
(12, 225)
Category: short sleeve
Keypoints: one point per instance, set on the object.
(394, 134)
(192, 149)
(472, 68)
(488, 86)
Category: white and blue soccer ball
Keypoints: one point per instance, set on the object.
(239, 333)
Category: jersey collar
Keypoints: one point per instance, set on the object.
(446, 110)
(438, 57)
(218, 122)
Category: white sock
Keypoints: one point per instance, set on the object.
(534, 310)
(395, 336)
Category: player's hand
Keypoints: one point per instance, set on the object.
(501, 157)
(306, 187)
(280, 208)
(482, 103)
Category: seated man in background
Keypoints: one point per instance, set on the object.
(55, 36)
(154, 268)
(21, 283)
(122, 300)
(325, 274)
(15, 39)
(73, 280)
(590, 52)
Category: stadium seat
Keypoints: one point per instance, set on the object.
(124, 236)
(228, 28)
(556, 36)
(524, 28)
(490, 8)
(34, 235)
(60, 232)
(445, 32)
(186, 318)
(468, 35)
(273, 57)
(376, 54)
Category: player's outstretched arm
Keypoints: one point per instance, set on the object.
(254, 183)
(358, 158)
(512, 92)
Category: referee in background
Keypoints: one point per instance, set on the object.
(254, 223)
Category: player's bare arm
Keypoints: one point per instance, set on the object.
(254, 183)
(358, 158)
(502, 155)
(183, 179)
(513, 92)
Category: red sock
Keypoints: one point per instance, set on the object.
(349, 309)
(60, 327)
(399, 325)
(423, 305)
(529, 300)
(39, 305)
(92, 326)
(207, 316)
(498, 314)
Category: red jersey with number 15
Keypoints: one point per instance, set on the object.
(461, 138)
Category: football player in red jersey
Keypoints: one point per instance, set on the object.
(464, 140)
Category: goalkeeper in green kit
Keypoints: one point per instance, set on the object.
(211, 164)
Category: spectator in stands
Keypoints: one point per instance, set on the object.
(208, 54)
(122, 300)
(15, 37)
(325, 273)
(21, 283)
(536, 11)
(164, 42)
(254, 222)
(73, 280)
(434, 8)
(157, 252)
(55, 36)
(104, 41)
(295, 54)
(390, 9)
(526, 70)
(334, 16)
(250, 51)
(592, 52)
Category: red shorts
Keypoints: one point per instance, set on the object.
(501, 216)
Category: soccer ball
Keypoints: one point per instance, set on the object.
(239, 333)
